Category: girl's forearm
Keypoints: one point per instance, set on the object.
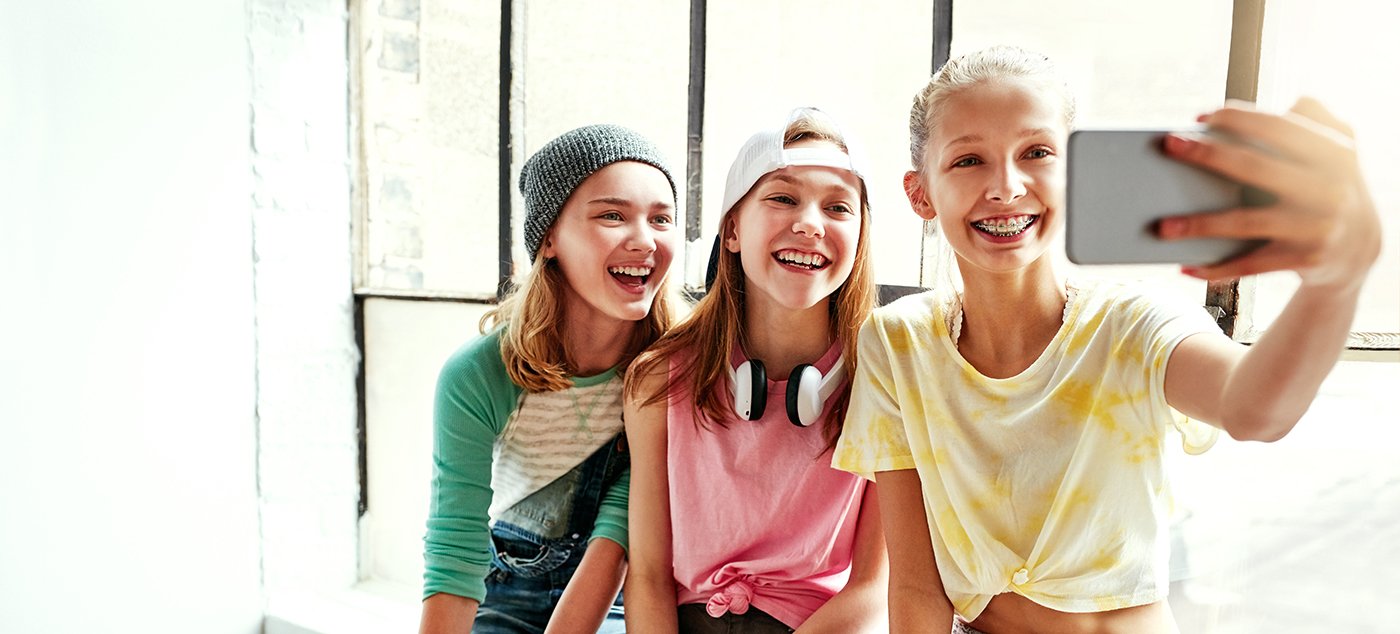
(591, 591)
(447, 614)
(1278, 377)
(650, 602)
(915, 610)
(856, 609)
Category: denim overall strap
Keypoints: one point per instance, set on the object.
(529, 572)
(599, 473)
(542, 532)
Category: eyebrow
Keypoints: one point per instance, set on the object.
(623, 202)
(793, 181)
(975, 138)
(611, 200)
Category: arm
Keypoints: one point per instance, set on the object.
(474, 396)
(444, 613)
(1323, 226)
(593, 588)
(917, 600)
(650, 590)
(862, 605)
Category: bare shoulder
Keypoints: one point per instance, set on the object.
(642, 413)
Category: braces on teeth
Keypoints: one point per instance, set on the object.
(1005, 228)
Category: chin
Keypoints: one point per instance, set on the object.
(634, 313)
(801, 303)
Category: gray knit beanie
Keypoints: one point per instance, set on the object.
(552, 173)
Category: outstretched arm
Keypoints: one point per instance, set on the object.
(1323, 226)
(861, 606)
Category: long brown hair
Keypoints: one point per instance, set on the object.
(532, 344)
(718, 320)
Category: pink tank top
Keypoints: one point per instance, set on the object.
(758, 516)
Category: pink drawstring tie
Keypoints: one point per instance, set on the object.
(735, 598)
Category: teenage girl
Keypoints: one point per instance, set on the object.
(1017, 429)
(739, 523)
(528, 525)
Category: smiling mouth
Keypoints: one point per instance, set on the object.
(631, 275)
(809, 261)
(1005, 227)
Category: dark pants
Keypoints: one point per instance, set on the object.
(693, 619)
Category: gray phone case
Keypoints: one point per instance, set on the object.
(1120, 183)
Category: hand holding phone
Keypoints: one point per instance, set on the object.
(1323, 225)
(1120, 184)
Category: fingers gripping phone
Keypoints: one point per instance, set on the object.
(1120, 184)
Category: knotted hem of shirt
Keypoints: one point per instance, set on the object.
(734, 598)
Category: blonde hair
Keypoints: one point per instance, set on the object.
(718, 320)
(532, 343)
(970, 70)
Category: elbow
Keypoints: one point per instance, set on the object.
(1261, 425)
(1256, 435)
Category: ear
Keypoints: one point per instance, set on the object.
(547, 250)
(918, 196)
(730, 231)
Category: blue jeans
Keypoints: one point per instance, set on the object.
(537, 545)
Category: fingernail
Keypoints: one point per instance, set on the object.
(1191, 270)
(1170, 227)
(1176, 144)
(1202, 118)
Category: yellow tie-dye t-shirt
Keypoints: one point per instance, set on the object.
(1050, 484)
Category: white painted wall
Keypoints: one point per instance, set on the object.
(128, 498)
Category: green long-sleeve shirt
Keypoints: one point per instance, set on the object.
(475, 403)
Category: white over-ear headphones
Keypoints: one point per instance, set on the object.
(807, 390)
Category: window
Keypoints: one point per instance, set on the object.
(441, 126)
(1328, 51)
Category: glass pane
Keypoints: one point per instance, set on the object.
(1334, 52)
(429, 90)
(406, 343)
(578, 64)
(427, 124)
(860, 63)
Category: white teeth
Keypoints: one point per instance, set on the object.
(1005, 226)
(805, 259)
(634, 271)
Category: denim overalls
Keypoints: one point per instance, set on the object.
(537, 544)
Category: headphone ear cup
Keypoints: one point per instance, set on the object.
(750, 390)
(804, 401)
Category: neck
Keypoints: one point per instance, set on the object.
(596, 343)
(1009, 317)
(784, 338)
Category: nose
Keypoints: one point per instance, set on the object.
(1009, 185)
(641, 238)
(809, 221)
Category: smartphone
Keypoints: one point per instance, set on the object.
(1120, 183)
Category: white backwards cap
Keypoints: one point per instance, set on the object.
(764, 153)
